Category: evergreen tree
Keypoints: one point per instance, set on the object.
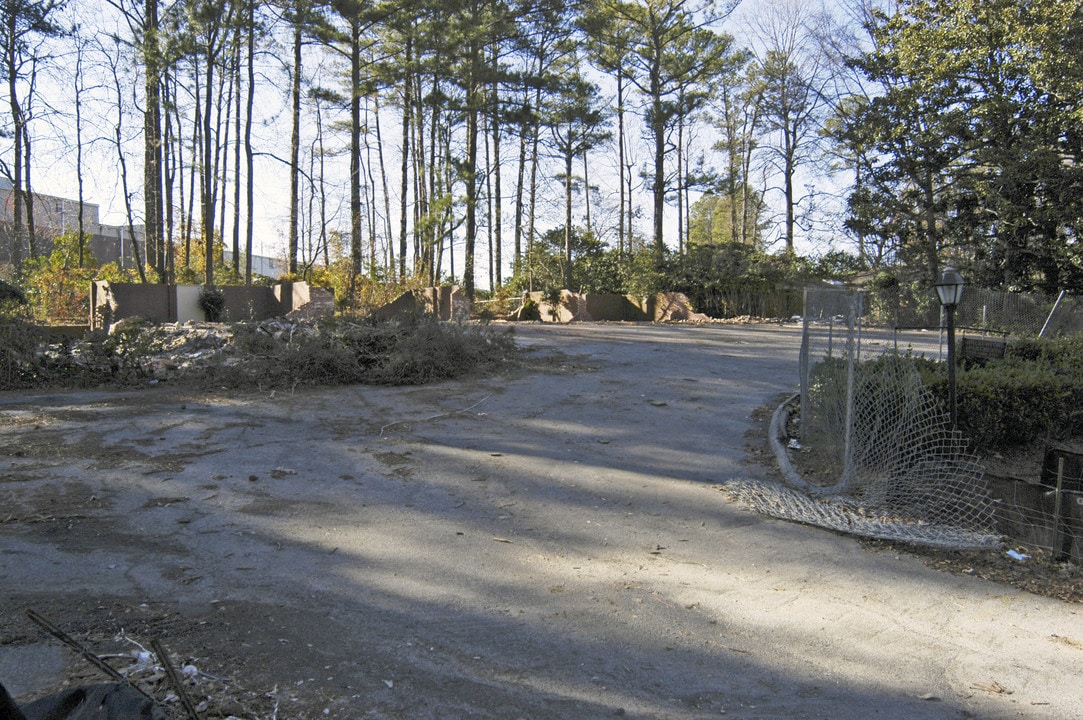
(575, 121)
(674, 48)
(970, 149)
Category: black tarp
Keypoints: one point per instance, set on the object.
(107, 701)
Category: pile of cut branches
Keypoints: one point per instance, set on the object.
(270, 354)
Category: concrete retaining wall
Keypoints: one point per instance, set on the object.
(446, 303)
(110, 302)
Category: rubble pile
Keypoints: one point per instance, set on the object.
(171, 351)
(180, 349)
(279, 352)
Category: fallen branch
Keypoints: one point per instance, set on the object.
(86, 654)
(435, 417)
(175, 680)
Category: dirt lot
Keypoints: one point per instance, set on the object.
(556, 542)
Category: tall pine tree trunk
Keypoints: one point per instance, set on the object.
(390, 264)
(489, 197)
(498, 209)
(79, 151)
(517, 261)
(237, 161)
(295, 137)
(470, 174)
(620, 164)
(658, 132)
(407, 121)
(152, 141)
(207, 184)
(569, 156)
(355, 151)
(404, 188)
(535, 139)
(169, 174)
(17, 120)
(248, 153)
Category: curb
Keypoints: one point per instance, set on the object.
(776, 433)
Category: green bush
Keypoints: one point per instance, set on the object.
(1035, 393)
(1009, 404)
(1063, 352)
(212, 301)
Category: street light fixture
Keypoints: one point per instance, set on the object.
(949, 288)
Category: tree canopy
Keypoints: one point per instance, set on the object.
(968, 150)
(433, 142)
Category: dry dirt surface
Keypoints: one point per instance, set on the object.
(554, 542)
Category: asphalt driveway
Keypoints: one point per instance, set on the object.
(556, 542)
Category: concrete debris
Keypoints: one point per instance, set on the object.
(169, 351)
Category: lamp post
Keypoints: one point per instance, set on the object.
(949, 288)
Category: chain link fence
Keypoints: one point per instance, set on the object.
(1046, 514)
(876, 450)
(873, 452)
(981, 310)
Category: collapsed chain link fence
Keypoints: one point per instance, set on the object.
(875, 451)
(878, 455)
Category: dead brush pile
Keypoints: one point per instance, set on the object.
(399, 352)
(264, 355)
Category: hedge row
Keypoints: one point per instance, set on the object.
(1034, 393)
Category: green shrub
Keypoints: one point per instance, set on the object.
(212, 301)
(1011, 404)
(1063, 352)
(1035, 393)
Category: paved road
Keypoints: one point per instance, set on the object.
(553, 544)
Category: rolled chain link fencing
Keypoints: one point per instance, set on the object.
(878, 457)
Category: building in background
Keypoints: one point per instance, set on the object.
(261, 265)
(54, 216)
